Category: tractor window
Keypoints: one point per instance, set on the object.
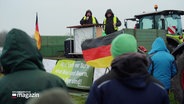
(174, 20)
(158, 22)
(146, 22)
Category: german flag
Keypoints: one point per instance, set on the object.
(37, 34)
(96, 52)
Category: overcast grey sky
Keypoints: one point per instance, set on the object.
(56, 15)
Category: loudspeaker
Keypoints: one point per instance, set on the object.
(68, 47)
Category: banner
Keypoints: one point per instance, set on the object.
(75, 73)
(49, 64)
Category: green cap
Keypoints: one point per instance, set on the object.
(123, 43)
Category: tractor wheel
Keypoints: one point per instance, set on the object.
(170, 47)
(178, 80)
(171, 43)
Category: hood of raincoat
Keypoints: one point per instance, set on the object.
(20, 53)
(158, 45)
(109, 11)
(131, 69)
(88, 11)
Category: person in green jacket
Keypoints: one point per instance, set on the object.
(24, 74)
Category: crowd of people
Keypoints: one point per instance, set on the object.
(131, 80)
(128, 82)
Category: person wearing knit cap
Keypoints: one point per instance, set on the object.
(88, 18)
(128, 81)
(123, 44)
(111, 22)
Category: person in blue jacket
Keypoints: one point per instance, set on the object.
(128, 82)
(163, 66)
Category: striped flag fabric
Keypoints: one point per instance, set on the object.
(96, 52)
(37, 34)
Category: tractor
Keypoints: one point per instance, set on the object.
(170, 22)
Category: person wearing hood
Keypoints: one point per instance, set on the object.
(88, 18)
(111, 22)
(128, 82)
(163, 66)
(24, 73)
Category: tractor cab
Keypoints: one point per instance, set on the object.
(164, 20)
(168, 20)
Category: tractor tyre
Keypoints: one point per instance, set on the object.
(178, 80)
(171, 47)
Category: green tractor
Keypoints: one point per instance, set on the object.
(170, 22)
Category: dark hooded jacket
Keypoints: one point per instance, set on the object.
(23, 69)
(163, 64)
(128, 82)
(109, 25)
(89, 21)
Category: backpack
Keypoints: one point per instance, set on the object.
(150, 62)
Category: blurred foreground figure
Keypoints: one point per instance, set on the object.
(24, 74)
(52, 96)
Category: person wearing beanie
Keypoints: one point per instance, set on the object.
(111, 22)
(123, 43)
(128, 81)
(88, 18)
